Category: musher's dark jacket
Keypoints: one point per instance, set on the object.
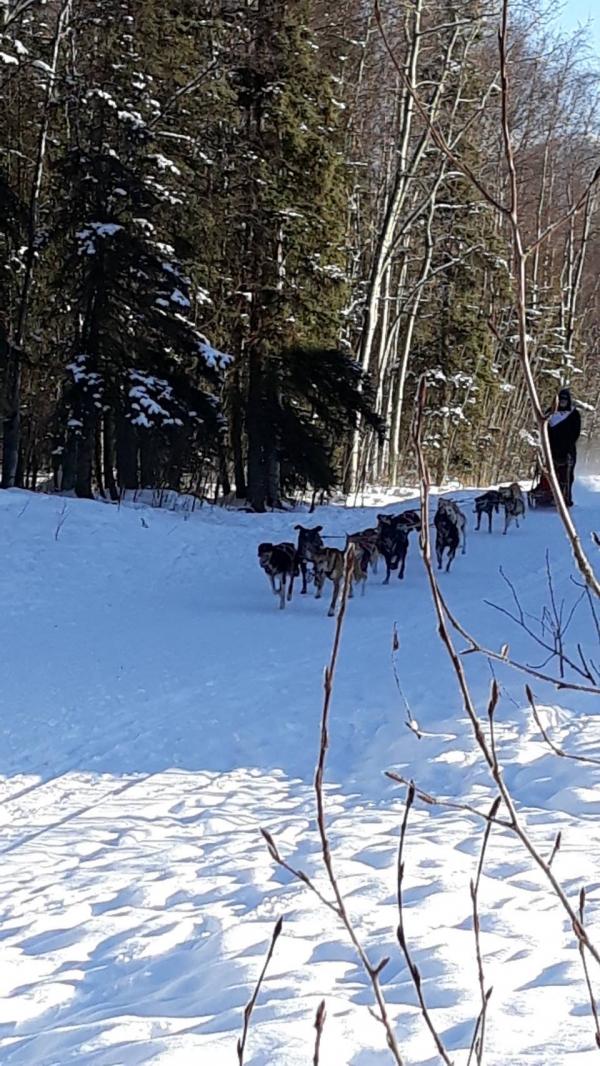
(564, 436)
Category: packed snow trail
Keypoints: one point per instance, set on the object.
(157, 708)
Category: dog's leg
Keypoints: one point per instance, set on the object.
(282, 592)
(402, 566)
(451, 554)
(290, 586)
(336, 588)
(464, 536)
(490, 520)
(388, 570)
(303, 571)
(439, 551)
(478, 520)
(506, 520)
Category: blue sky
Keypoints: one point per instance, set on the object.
(579, 11)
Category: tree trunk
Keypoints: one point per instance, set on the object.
(65, 472)
(108, 456)
(257, 471)
(236, 421)
(127, 455)
(148, 460)
(85, 460)
(12, 422)
(224, 481)
(98, 473)
(273, 476)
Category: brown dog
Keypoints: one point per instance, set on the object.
(513, 502)
(330, 564)
(368, 541)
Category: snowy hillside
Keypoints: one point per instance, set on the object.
(157, 709)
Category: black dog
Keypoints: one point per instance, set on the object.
(486, 504)
(393, 545)
(279, 563)
(407, 520)
(410, 520)
(309, 541)
(447, 537)
(393, 530)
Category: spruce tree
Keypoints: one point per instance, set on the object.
(290, 284)
(139, 370)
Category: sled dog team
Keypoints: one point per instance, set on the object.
(388, 540)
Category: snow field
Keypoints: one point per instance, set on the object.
(158, 709)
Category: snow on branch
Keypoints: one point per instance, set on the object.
(93, 232)
(213, 358)
(152, 401)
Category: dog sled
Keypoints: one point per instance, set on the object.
(541, 495)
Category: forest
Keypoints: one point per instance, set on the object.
(235, 234)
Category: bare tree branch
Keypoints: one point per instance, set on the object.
(241, 1044)
(410, 721)
(184, 90)
(479, 1033)
(503, 657)
(436, 134)
(451, 805)
(299, 874)
(413, 969)
(319, 1026)
(558, 627)
(574, 210)
(588, 759)
(586, 970)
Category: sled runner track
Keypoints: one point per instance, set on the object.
(19, 793)
(85, 809)
(12, 797)
(194, 787)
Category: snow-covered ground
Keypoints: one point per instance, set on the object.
(157, 709)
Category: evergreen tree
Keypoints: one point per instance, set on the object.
(289, 241)
(136, 357)
(319, 397)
